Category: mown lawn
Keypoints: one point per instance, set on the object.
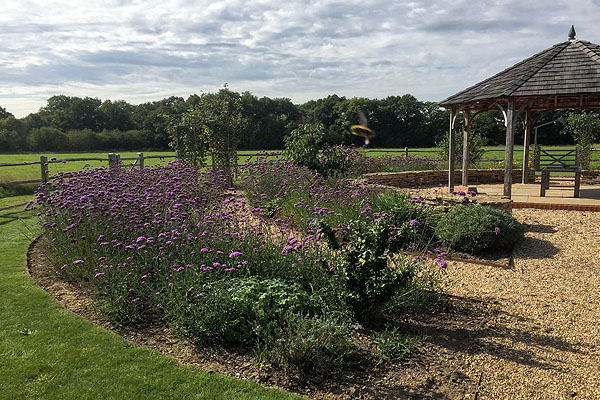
(47, 352)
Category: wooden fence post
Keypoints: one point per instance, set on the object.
(44, 164)
(140, 161)
(114, 161)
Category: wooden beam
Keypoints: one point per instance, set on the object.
(510, 140)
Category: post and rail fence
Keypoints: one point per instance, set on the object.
(115, 160)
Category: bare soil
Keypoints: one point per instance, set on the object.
(528, 332)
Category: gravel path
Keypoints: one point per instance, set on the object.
(544, 341)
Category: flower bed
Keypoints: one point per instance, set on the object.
(306, 259)
(172, 246)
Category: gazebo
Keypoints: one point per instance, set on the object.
(565, 76)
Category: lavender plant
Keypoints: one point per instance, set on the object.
(169, 245)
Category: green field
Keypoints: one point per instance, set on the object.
(31, 172)
(47, 352)
(491, 152)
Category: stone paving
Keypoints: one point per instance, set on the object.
(558, 196)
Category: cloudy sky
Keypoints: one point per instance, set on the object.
(146, 50)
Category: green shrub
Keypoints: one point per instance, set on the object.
(410, 221)
(473, 228)
(393, 346)
(338, 160)
(303, 145)
(370, 276)
(237, 310)
(310, 345)
(306, 148)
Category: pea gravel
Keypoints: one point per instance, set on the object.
(549, 311)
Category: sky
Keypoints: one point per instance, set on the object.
(142, 51)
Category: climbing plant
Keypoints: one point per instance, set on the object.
(212, 125)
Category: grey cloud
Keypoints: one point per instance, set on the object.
(293, 49)
(26, 28)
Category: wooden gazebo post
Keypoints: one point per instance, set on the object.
(526, 143)
(451, 155)
(465, 160)
(510, 142)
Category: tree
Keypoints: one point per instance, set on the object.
(47, 138)
(13, 137)
(347, 112)
(435, 121)
(68, 113)
(403, 121)
(324, 111)
(303, 145)
(490, 126)
(268, 121)
(584, 127)
(85, 114)
(4, 113)
(116, 115)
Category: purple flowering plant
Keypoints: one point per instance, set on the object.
(166, 243)
(165, 229)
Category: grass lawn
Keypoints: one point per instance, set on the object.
(47, 352)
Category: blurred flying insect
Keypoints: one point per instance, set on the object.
(362, 129)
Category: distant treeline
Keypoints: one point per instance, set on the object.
(84, 124)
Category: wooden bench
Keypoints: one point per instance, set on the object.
(560, 168)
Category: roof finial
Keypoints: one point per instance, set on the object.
(572, 33)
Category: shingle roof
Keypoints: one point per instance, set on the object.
(571, 67)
